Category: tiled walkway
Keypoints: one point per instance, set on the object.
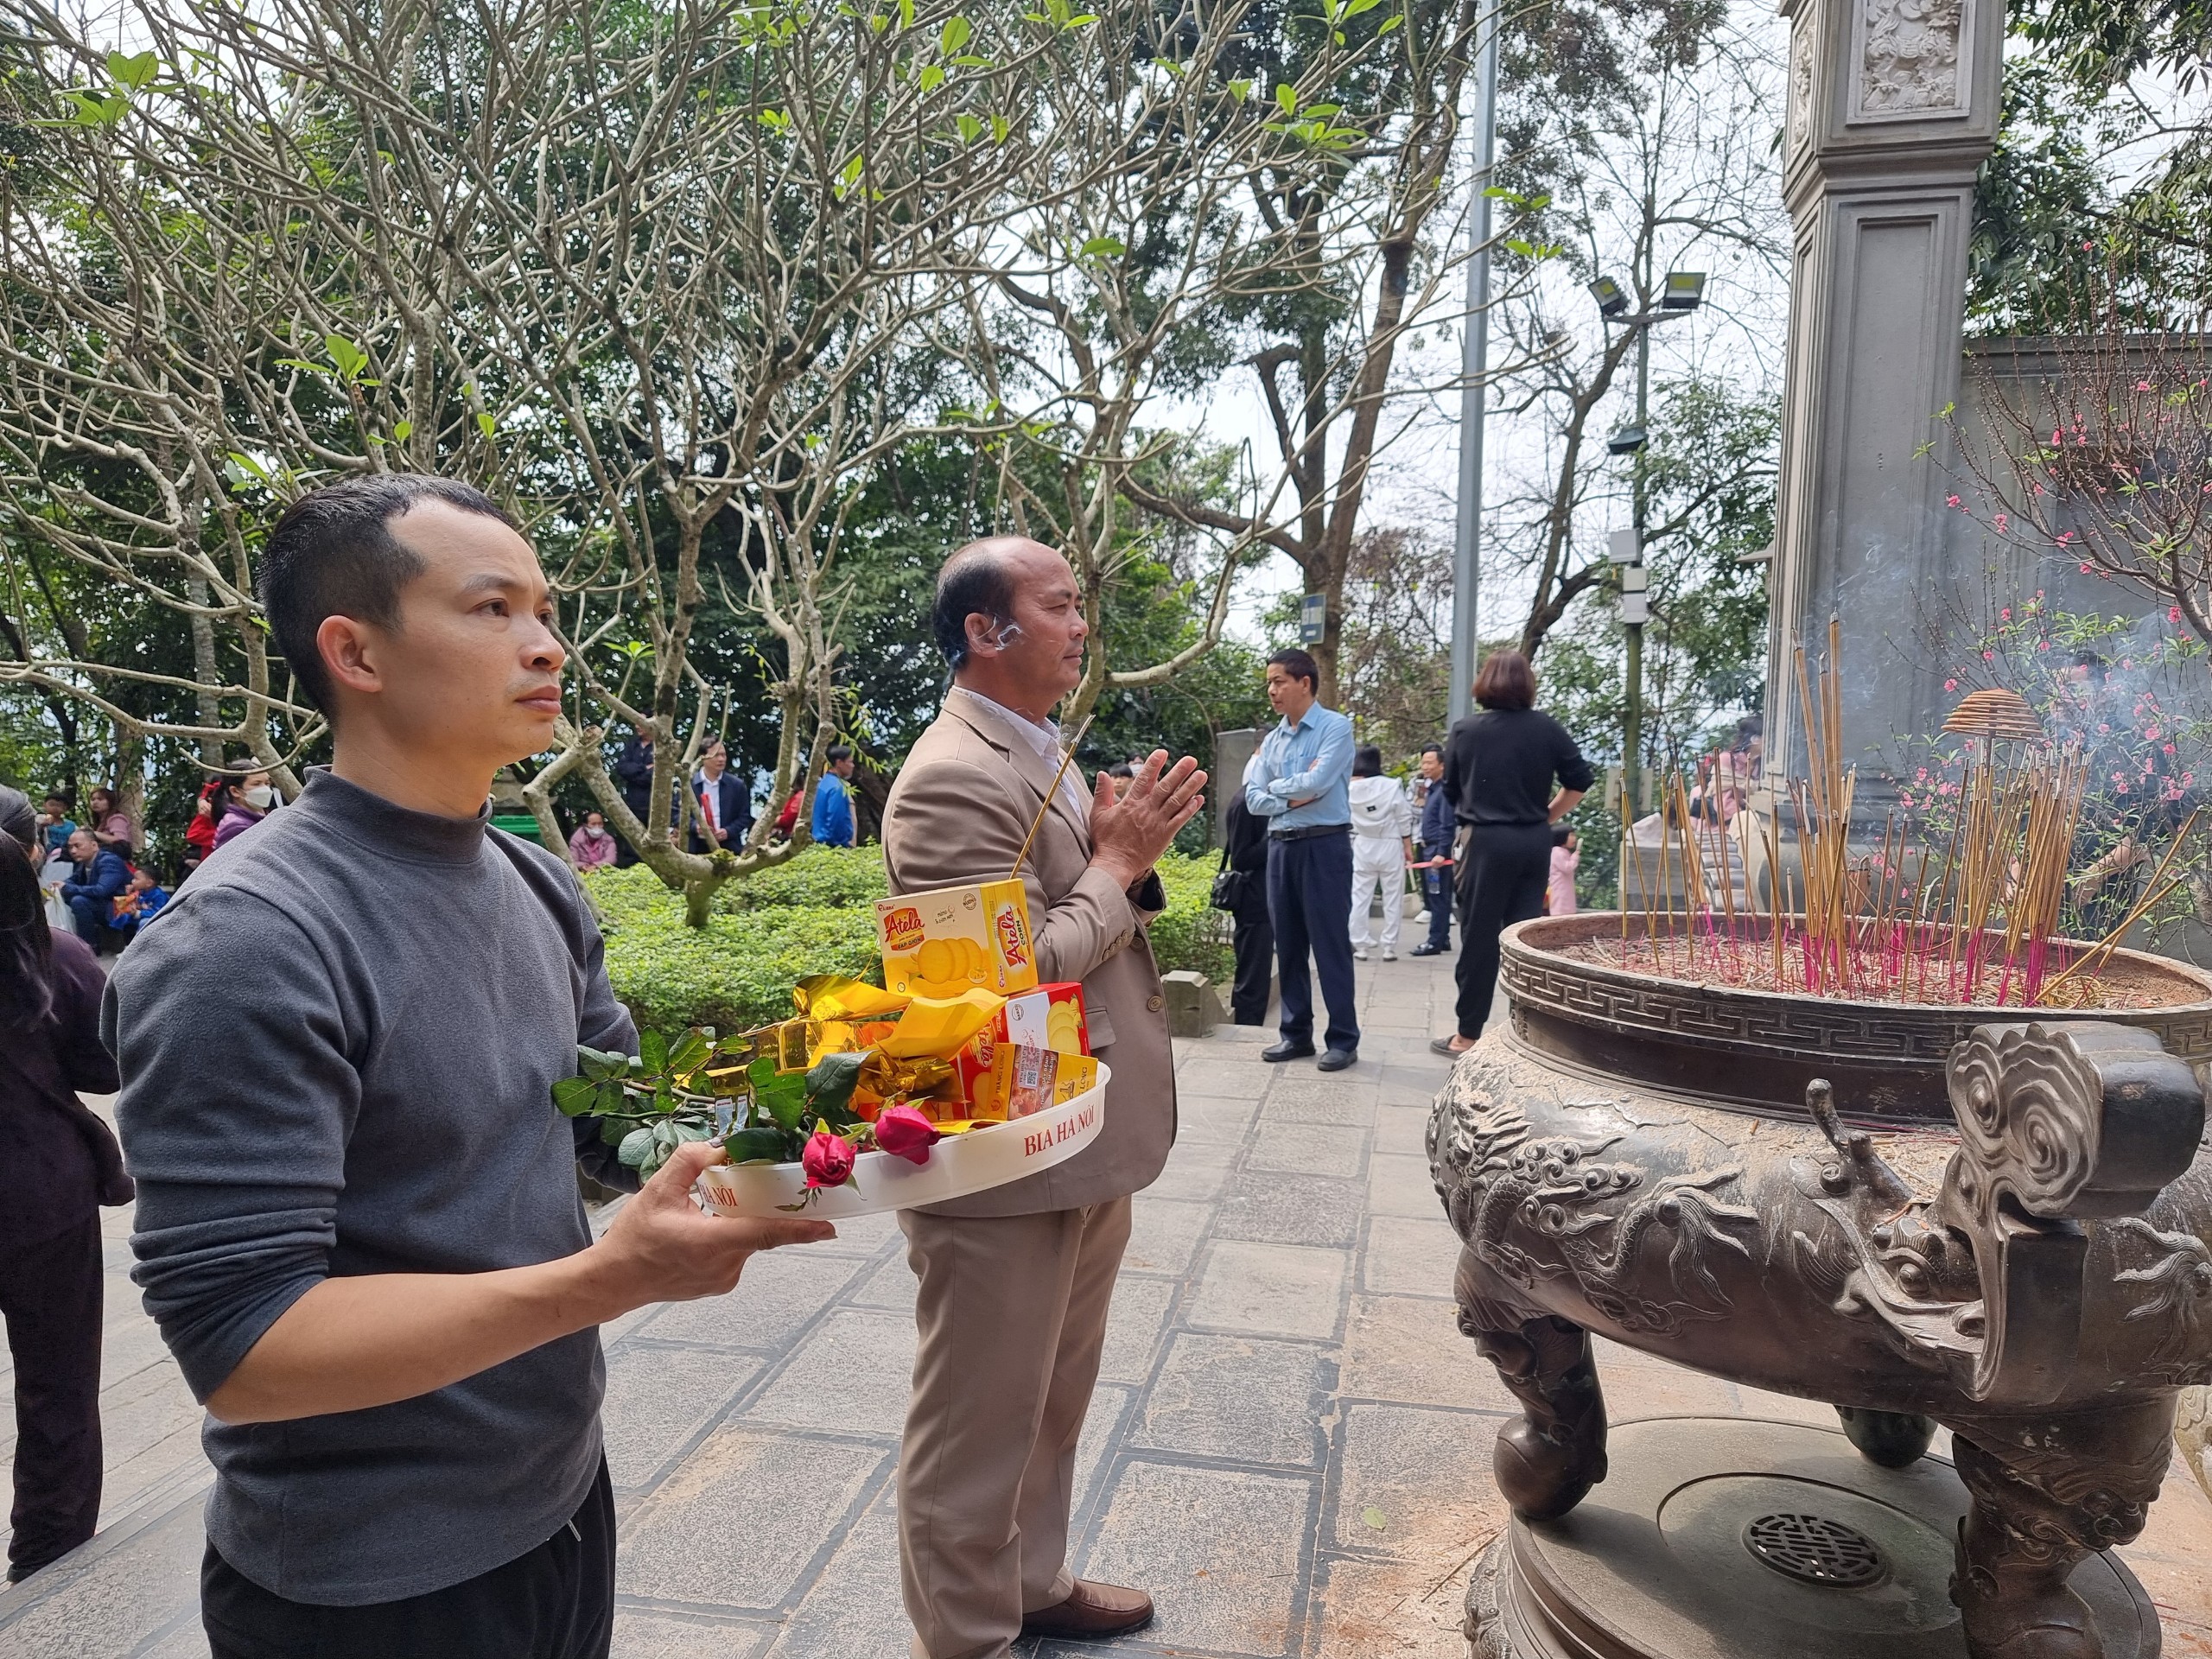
(1290, 1445)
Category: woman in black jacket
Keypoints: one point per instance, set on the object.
(1499, 768)
(62, 1164)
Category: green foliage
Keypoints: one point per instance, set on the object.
(1190, 933)
(1711, 468)
(813, 916)
(2099, 48)
(734, 974)
(699, 1086)
(2051, 208)
(819, 878)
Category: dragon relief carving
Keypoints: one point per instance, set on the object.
(2175, 1270)
(1537, 1207)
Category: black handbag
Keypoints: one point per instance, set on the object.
(1229, 886)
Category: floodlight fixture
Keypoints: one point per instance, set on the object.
(1611, 297)
(1626, 442)
(1685, 291)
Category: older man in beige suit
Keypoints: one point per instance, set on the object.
(1015, 1282)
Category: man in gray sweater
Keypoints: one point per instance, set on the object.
(358, 1225)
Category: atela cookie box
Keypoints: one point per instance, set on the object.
(941, 943)
(1049, 1018)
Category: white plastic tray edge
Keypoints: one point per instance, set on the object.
(959, 1165)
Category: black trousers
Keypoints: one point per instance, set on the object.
(1502, 877)
(1309, 901)
(1256, 963)
(1436, 888)
(556, 1602)
(50, 1292)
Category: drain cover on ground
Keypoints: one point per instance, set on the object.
(1814, 1549)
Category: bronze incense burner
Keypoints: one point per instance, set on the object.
(1995, 1220)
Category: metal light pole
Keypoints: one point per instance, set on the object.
(1632, 716)
(1474, 363)
(1683, 292)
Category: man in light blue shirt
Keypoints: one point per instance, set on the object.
(1300, 781)
(833, 808)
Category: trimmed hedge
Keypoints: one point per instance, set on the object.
(1190, 932)
(820, 875)
(812, 916)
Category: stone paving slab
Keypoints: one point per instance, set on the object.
(1289, 1446)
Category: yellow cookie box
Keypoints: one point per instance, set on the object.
(944, 943)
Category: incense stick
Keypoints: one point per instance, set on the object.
(1045, 805)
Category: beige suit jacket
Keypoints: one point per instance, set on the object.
(957, 814)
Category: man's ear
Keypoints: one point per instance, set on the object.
(349, 653)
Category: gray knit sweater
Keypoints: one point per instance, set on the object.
(338, 1046)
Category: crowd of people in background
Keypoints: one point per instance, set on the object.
(1321, 838)
(100, 882)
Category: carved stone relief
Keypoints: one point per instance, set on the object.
(1534, 1208)
(1800, 86)
(1909, 60)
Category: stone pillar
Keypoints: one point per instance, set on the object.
(1893, 105)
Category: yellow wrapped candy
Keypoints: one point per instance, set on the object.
(942, 1026)
(833, 996)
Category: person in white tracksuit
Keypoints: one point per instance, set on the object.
(1382, 845)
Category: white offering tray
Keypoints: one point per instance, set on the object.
(989, 1155)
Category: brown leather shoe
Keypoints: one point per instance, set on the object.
(1091, 1610)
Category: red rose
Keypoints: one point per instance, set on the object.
(905, 1133)
(827, 1160)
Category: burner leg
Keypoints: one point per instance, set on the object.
(1895, 1439)
(1548, 1462)
(2046, 1492)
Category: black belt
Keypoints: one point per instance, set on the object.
(1310, 831)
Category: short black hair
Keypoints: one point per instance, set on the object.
(1436, 749)
(974, 580)
(840, 752)
(333, 554)
(1560, 832)
(1300, 664)
(1367, 760)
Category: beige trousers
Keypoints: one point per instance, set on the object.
(1011, 1316)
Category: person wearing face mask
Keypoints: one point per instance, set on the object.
(252, 799)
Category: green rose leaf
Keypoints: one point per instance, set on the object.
(830, 1084)
(758, 1146)
(574, 1096)
(783, 1097)
(636, 1146)
(690, 1053)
